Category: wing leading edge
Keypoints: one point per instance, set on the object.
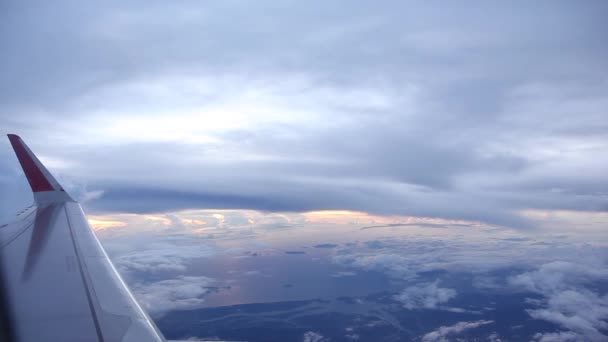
(58, 280)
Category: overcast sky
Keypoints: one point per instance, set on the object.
(468, 110)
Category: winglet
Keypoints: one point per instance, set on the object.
(43, 184)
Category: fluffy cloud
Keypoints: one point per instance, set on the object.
(395, 265)
(161, 258)
(406, 258)
(569, 285)
(568, 301)
(311, 336)
(425, 296)
(562, 336)
(442, 334)
(494, 337)
(180, 293)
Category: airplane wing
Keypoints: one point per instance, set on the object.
(56, 281)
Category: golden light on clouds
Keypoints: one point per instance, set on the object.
(220, 217)
(210, 219)
(347, 217)
(101, 223)
(357, 217)
(194, 222)
(162, 219)
(128, 221)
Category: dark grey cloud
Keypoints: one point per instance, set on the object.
(465, 111)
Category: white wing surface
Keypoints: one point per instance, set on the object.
(58, 284)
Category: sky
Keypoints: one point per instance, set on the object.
(462, 111)
(269, 113)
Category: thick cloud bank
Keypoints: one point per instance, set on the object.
(462, 111)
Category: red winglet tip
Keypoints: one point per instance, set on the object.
(35, 177)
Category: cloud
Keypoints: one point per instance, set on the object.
(394, 265)
(405, 258)
(569, 300)
(355, 109)
(562, 336)
(90, 196)
(420, 262)
(157, 245)
(180, 293)
(487, 282)
(311, 336)
(494, 337)
(161, 258)
(442, 334)
(425, 296)
(568, 276)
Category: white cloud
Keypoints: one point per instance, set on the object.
(395, 265)
(161, 258)
(562, 336)
(425, 296)
(558, 275)
(442, 334)
(486, 282)
(181, 293)
(568, 301)
(581, 311)
(352, 336)
(405, 258)
(571, 299)
(90, 196)
(407, 254)
(494, 337)
(311, 336)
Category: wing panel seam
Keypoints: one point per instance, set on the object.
(17, 234)
(81, 267)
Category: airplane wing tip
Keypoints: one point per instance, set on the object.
(37, 175)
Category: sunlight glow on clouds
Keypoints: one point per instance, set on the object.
(208, 218)
(198, 110)
(100, 223)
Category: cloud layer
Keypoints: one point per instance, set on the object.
(556, 276)
(464, 112)
(569, 301)
(569, 277)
